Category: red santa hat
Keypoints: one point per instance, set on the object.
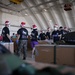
(48, 28)
(23, 24)
(56, 25)
(41, 31)
(65, 28)
(34, 27)
(7, 22)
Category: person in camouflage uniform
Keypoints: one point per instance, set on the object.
(22, 37)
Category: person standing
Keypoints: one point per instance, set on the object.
(6, 32)
(13, 35)
(42, 35)
(65, 30)
(48, 34)
(56, 34)
(34, 39)
(22, 37)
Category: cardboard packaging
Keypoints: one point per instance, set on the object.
(44, 54)
(43, 42)
(9, 46)
(65, 55)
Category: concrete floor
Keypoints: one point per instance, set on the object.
(29, 56)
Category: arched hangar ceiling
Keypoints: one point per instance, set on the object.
(43, 13)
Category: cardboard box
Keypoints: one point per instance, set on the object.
(65, 55)
(43, 42)
(45, 54)
(9, 46)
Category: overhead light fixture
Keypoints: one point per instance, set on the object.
(67, 7)
(16, 1)
(45, 10)
(26, 14)
(50, 20)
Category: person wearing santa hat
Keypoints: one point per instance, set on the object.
(22, 37)
(6, 32)
(48, 33)
(34, 38)
(56, 34)
(65, 30)
(42, 35)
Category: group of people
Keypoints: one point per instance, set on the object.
(44, 35)
(56, 35)
(22, 36)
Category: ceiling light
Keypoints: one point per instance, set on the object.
(26, 14)
(45, 10)
(50, 20)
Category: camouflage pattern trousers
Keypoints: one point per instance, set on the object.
(22, 47)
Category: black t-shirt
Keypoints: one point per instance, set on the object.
(34, 35)
(42, 36)
(23, 33)
(55, 35)
(5, 31)
(48, 35)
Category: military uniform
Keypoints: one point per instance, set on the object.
(22, 41)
